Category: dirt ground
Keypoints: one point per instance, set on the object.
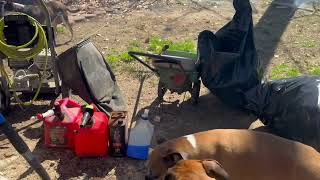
(280, 36)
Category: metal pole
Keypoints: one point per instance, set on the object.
(22, 148)
(44, 9)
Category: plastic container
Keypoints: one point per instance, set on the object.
(117, 139)
(92, 139)
(60, 122)
(140, 138)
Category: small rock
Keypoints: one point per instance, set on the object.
(147, 40)
(276, 56)
(99, 35)
(89, 15)
(8, 154)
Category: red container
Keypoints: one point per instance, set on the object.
(92, 141)
(59, 131)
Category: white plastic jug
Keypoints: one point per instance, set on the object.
(140, 138)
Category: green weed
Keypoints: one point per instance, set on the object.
(315, 71)
(156, 44)
(187, 46)
(309, 43)
(61, 29)
(284, 71)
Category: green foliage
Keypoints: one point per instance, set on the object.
(284, 71)
(156, 44)
(315, 71)
(61, 29)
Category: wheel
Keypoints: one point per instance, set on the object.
(195, 92)
(161, 90)
(5, 96)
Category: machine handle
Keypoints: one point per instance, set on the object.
(135, 56)
(157, 59)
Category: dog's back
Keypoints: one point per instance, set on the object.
(244, 154)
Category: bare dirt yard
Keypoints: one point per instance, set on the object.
(287, 42)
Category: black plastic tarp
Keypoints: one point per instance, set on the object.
(227, 59)
(228, 65)
(290, 107)
(84, 70)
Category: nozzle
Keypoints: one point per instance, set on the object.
(43, 115)
(87, 115)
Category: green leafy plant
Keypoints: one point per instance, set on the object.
(315, 71)
(284, 71)
(156, 44)
(61, 29)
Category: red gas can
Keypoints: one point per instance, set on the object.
(59, 127)
(92, 136)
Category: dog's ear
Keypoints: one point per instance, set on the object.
(172, 158)
(215, 170)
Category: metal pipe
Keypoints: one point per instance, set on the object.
(44, 9)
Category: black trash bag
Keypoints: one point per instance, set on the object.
(289, 107)
(84, 70)
(228, 62)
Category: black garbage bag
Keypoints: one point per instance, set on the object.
(84, 70)
(289, 107)
(228, 62)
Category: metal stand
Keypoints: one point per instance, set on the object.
(44, 9)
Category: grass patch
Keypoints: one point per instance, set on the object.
(308, 43)
(156, 44)
(315, 71)
(61, 29)
(284, 71)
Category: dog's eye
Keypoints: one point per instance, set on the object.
(169, 177)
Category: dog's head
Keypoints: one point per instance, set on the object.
(164, 156)
(170, 161)
(195, 170)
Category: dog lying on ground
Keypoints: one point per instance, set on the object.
(243, 154)
(57, 10)
(196, 170)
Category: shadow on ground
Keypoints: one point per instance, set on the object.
(209, 114)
